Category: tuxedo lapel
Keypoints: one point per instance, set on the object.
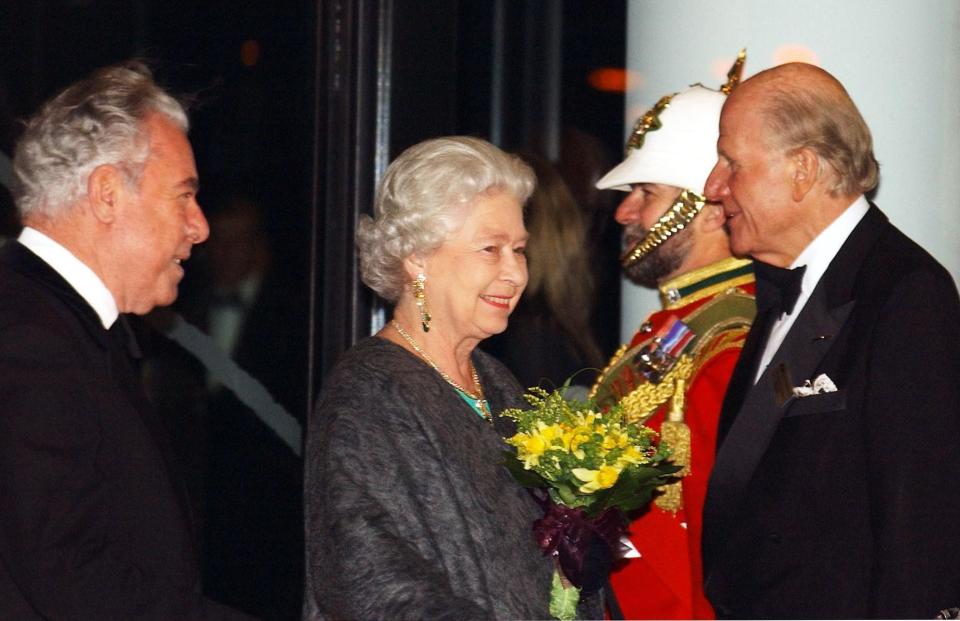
(125, 367)
(22, 260)
(750, 433)
(741, 381)
(800, 354)
(120, 346)
(751, 427)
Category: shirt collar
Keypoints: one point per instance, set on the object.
(820, 252)
(83, 279)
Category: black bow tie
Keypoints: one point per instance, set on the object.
(778, 288)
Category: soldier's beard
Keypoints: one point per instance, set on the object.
(660, 262)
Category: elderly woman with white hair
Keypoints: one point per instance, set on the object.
(409, 514)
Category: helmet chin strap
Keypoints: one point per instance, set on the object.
(680, 214)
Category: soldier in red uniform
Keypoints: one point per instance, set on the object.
(673, 374)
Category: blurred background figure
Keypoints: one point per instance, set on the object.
(255, 309)
(550, 337)
(584, 159)
(238, 262)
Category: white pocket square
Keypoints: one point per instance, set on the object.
(820, 385)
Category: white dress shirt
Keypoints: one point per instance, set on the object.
(817, 257)
(75, 272)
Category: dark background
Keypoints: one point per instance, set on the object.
(337, 88)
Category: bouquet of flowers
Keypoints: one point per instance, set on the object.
(594, 468)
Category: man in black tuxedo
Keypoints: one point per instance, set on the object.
(835, 489)
(93, 522)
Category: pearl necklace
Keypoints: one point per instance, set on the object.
(481, 402)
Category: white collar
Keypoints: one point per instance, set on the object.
(825, 246)
(83, 279)
(817, 256)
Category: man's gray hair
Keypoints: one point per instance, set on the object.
(424, 196)
(828, 122)
(96, 121)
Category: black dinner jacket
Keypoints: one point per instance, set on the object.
(846, 504)
(92, 525)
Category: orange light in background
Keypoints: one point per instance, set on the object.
(794, 53)
(613, 79)
(250, 53)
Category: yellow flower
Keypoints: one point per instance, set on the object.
(595, 480)
(531, 446)
(631, 455)
(573, 439)
(549, 433)
(588, 419)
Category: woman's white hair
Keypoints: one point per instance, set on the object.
(95, 121)
(424, 196)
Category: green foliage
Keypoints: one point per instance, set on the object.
(584, 457)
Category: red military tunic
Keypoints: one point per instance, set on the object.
(716, 302)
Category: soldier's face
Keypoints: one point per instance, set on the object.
(639, 211)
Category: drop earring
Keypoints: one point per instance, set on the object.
(421, 299)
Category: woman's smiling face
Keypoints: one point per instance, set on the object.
(475, 278)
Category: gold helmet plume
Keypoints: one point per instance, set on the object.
(735, 73)
(690, 202)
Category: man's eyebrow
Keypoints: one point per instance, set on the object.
(190, 182)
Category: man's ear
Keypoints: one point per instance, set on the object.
(804, 171)
(711, 217)
(104, 190)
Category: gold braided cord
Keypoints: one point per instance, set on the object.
(675, 432)
(677, 435)
(607, 369)
(727, 331)
(682, 213)
(719, 325)
(642, 402)
(727, 339)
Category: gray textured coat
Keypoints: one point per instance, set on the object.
(408, 513)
